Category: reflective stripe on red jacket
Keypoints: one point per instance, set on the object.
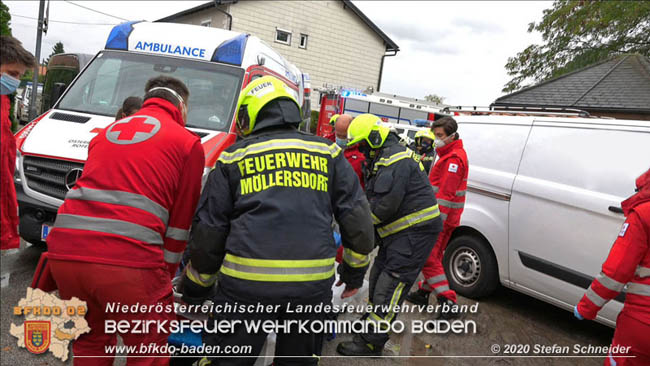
(628, 263)
(134, 203)
(448, 177)
(9, 207)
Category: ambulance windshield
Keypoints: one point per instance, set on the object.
(114, 76)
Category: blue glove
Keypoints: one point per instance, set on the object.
(577, 314)
(337, 239)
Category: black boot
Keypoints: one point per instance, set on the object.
(448, 312)
(419, 297)
(358, 347)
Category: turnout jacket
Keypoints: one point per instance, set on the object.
(628, 262)
(263, 226)
(398, 191)
(134, 202)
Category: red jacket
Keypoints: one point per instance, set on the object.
(356, 159)
(628, 262)
(135, 200)
(9, 238)
(448, 177)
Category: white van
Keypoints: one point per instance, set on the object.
(543, 203)
(215, 64)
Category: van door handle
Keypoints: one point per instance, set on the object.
(616, 209)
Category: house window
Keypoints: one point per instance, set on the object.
(206, 23)
(303, 41)
(282, 36)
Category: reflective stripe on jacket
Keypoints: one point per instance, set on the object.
(134, 202)
(627, 267)
(264, 220)
(448, 178)
(398, 191)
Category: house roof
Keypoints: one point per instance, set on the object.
(390, 44)
(620, 83)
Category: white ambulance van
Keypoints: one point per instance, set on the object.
(543, 204)
(215, 64)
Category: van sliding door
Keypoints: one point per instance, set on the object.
(561, 225)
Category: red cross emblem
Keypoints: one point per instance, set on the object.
(132, 130)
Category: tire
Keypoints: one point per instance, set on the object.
(471, 267)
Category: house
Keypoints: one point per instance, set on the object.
(618, 87)
(332, 41)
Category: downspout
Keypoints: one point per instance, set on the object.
(381, 67)
(226, 13)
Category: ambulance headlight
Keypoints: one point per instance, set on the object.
(17, 169)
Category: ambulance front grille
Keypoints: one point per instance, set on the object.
(48, 176)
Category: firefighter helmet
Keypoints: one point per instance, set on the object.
(255, 96)
(424, 133)
(333, 119)
(367, 127)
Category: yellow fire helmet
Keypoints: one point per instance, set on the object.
(424, 133)
(333, 119)
(255, 96)
(367, 127)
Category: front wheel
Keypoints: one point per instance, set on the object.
(471, 267)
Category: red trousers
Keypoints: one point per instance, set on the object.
(434, 273)
(634, 334)
(99, 284)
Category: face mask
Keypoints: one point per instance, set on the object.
(343, 143)
(426, 147)
(8, 83)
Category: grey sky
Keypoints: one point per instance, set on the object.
(454, 49)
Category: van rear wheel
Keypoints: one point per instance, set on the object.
(471, 267)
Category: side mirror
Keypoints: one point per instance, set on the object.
(57, 91)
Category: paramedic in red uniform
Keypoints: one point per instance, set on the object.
(121, 231)
(352, 155)
(628, 264)
(448, 178)
(14, 60)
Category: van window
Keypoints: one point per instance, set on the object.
(493, 147)
(597, 160)
(113, 76)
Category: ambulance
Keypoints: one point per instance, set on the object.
(215, 64)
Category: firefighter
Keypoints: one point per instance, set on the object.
(628, 265)
(448, 178)
(122, 229)
(264, 227)
(407, 222)
(424, 147)
(332, 134)
(14, 61)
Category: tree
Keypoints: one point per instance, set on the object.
(58, 48)
(579, 33)
(435, 98)
(5, 20)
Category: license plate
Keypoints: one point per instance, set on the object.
(45, 230)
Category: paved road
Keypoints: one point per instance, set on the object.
(505, 318)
